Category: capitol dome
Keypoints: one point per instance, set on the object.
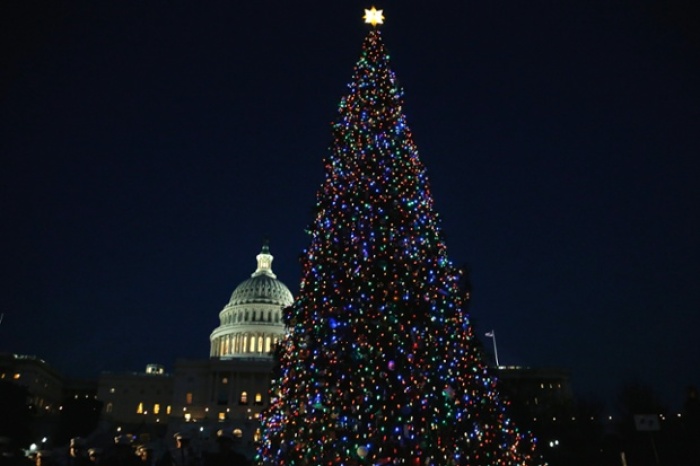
(251, 322)
(262, 288)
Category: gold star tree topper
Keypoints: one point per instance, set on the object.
(374, 16)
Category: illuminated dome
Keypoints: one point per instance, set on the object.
(251, 323)
(262, 287)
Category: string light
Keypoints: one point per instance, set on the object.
(379, 364)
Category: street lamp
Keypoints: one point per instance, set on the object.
(492, 335)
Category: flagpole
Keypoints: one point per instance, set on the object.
(492, 335)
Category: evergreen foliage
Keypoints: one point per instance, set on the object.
(380, 364)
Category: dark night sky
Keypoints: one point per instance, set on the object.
(148, 146)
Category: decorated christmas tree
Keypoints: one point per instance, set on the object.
(380, 364)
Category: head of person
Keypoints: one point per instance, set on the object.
(95, 455)
(182, 440)
(43, 458)
(77, 447)
(224, 440)
(145, 453)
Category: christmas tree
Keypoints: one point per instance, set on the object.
(379, 365)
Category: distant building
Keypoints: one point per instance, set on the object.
(230, 389)
(535, 392)
(44, 384)
(227, 391)
(136, 398)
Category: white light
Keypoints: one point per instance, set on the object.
(32, 447)
(44, 440)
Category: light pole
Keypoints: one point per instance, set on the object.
(492, 335)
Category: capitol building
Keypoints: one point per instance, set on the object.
(227, 391)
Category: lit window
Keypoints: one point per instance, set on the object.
(258, 398)
(238, 433)
(156, 408)
(188, 417)
(139, 409)
(222, 417)
(188, 398)
(167, 409)
(257, 436)
(16, 376)
(244, 398)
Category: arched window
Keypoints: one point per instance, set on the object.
(238, 433)
(243, 399)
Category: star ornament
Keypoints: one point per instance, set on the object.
(374, 16)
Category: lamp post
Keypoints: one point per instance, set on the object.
(492, 335)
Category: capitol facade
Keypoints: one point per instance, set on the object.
(226, 392)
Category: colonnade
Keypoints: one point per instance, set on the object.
(244, 344)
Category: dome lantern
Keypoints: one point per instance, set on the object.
(264, 262)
